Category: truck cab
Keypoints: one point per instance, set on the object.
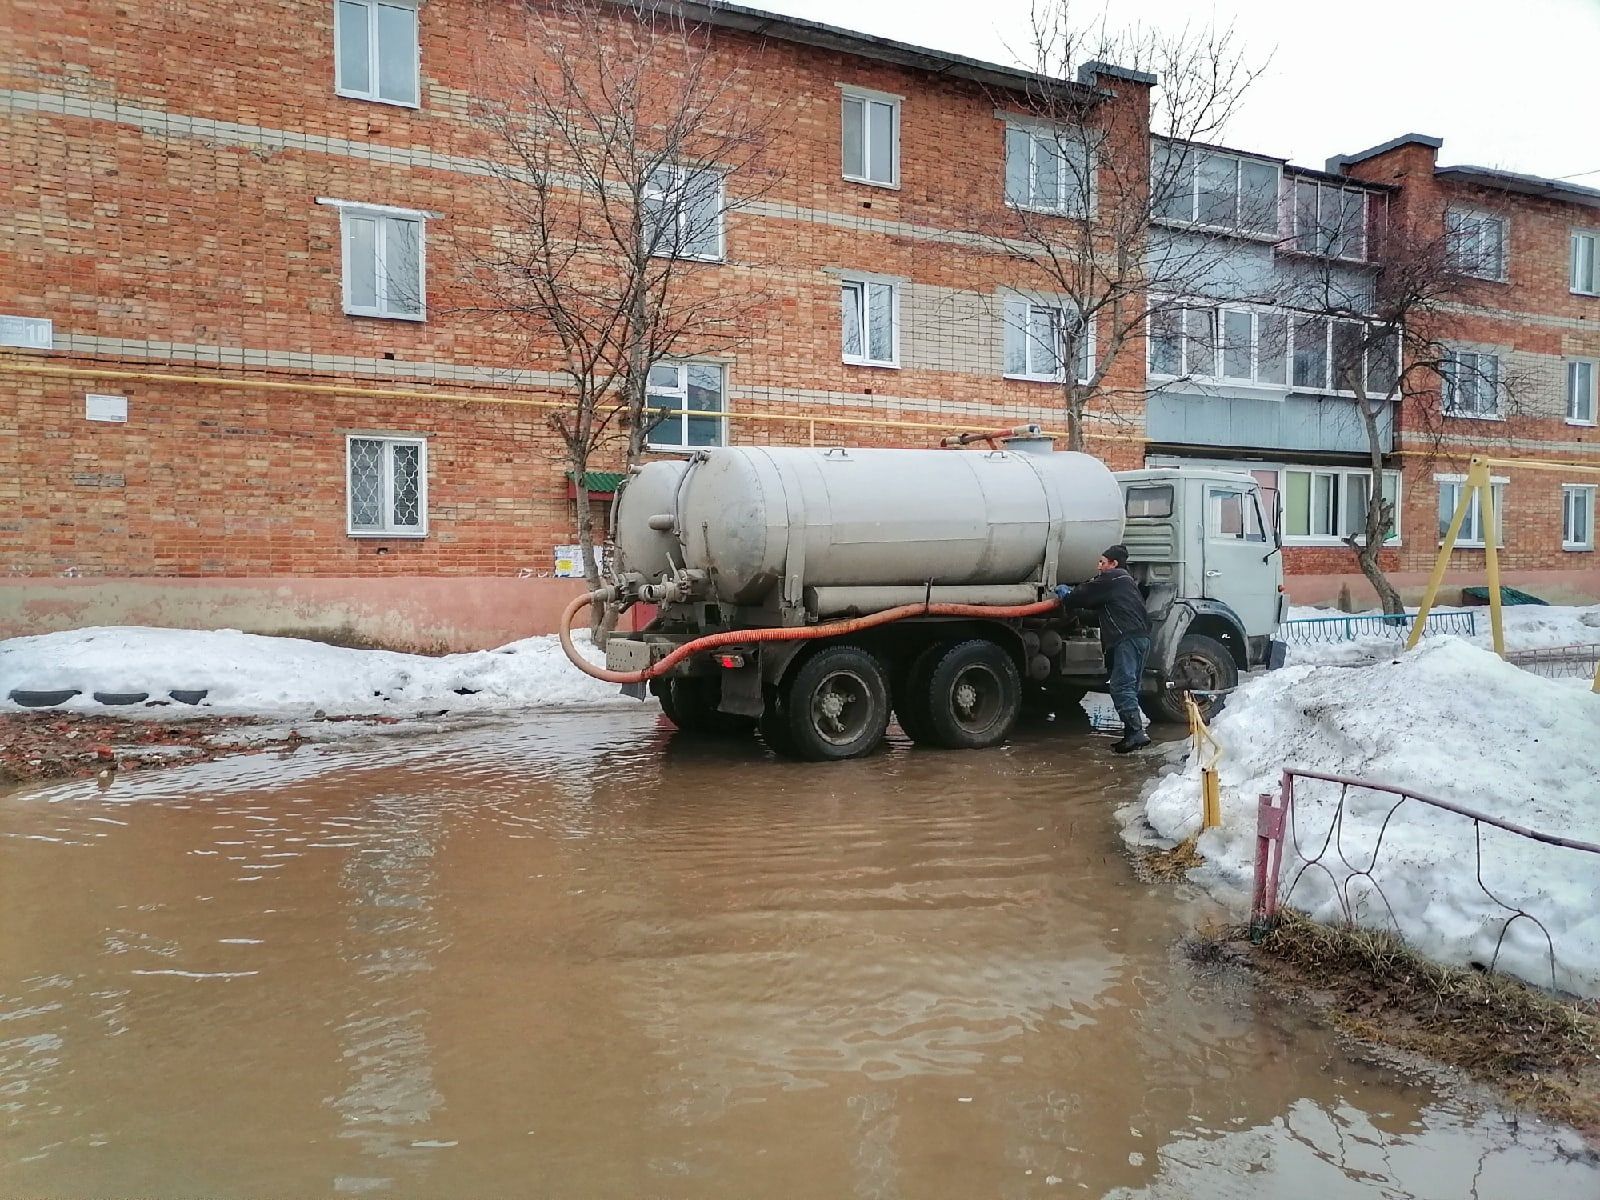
(1207, 557)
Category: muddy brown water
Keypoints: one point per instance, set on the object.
(578, 956)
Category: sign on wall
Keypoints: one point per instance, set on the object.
(31, 333)
(105, 408)
(569, 561)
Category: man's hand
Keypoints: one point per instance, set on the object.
(1063, 591)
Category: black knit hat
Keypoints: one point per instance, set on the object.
(1117, 554)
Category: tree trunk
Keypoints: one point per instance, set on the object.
(1381, 516)
(1075, 407)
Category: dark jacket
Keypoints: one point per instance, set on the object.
(1115, 596)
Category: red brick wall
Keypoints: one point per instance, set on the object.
(125, 233)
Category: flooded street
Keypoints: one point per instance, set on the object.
(577, 956)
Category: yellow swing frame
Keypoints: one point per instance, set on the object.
(1478, 483)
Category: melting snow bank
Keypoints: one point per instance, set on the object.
(1451, 721)
(248, 673)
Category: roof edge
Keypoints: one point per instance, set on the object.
(1527, 185)
(1337, 164)
(803, 31)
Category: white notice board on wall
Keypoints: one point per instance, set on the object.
(105, 408)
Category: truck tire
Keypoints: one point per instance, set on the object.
(912, 695)
(690, 702)
(837, 704)
(774, 726)
(974, 695)
(1201, 664)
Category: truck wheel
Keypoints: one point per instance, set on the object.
(974, 695)
(1202, 664)
(774, 726)
(837, 704)
(911, 695)
(690, 703)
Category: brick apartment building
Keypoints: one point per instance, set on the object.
(224, 404)
(214, 414)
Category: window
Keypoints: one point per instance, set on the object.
(1328, 505)
(687, 403)
(375, 51)
(1149, 501)
(1202, 187)
(1476, 243)
(1471, 384)
(383, 257)
(1040, 337)
(388, 486)
(872, 138)
(683, 213)
(1232, 513)
(1257, 346)
(1577, 516)
(1582, 374)
(1329, 219)
(1585, 268)
(1472, 526)
(1047, 168)
(871, 313)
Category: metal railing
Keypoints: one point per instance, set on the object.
(1559, 662)
(1312, 630)
(1277, 816)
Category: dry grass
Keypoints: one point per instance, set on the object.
(1541, 1050)
(1168, 866)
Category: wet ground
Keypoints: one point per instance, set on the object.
(576, 956)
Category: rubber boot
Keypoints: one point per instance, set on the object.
(1133, 735)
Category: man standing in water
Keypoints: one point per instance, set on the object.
(1124, 637)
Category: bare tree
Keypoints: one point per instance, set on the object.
(1392, 307)
(1112, 219)
(622, 151)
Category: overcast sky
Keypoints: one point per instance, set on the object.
(1505, 83)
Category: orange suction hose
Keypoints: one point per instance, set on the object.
(796, 633)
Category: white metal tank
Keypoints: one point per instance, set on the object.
(649, 492)
(875, 518)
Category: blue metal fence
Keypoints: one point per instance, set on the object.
(1310, 630)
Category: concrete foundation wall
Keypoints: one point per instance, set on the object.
(419, 614)
(439, 615)
(1558, 587)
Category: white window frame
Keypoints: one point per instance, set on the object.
(1192, 170)
(1344, 485)
(384, 215)
(1322, 186)
(680, 210)
(1030, 343)
(1586, 244)
(1577, 406)
(681, 405)
(1448, 384)
(1280, 389)
(389, 529)
(1457, 214)
(1574, 495)
(1073, 204)
(339, 86)
(864, 284)
(867, 98)
(1471, 535)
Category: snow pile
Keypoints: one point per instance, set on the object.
(248, 673)
(1527, 627)
(1451, 721)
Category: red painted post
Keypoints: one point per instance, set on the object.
(1269, 857)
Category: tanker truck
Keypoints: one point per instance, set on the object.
(812, 593)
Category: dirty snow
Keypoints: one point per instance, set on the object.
(249, 673)
(1449, 720)
(1527, 627)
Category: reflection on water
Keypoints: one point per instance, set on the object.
(578, 956)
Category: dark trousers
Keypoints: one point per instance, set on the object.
(1127, 665)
